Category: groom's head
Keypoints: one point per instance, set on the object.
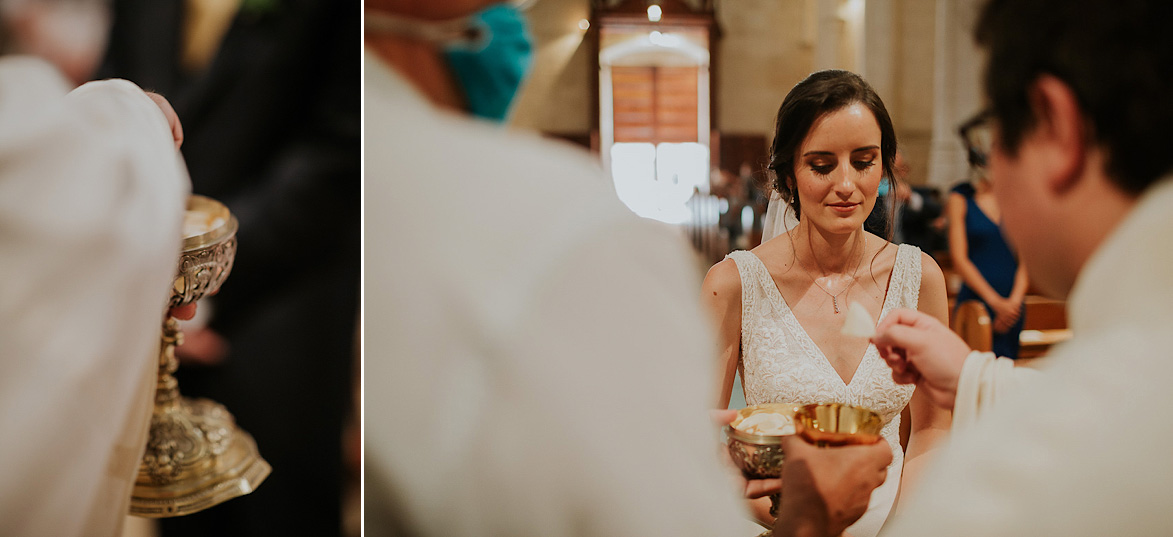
(1081, 107)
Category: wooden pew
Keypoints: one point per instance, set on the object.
(1045, 326)
(972, 322)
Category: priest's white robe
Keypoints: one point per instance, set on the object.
(538, 364)
(92, 193)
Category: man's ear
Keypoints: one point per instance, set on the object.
(1059, 133)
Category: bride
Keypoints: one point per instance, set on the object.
(779, 307)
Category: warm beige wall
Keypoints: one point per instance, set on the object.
(762, 54)
(912, 107)
(767, 46)
(557, 97)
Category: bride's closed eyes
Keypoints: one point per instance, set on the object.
(826, 169)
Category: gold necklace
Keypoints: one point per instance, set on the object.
(835, 297)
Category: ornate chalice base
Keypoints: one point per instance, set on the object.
(196, 456)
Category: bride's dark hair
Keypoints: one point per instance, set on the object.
(821, 93)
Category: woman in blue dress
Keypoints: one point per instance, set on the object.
(980, 254)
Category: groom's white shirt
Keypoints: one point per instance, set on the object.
(1084, 448)
(536, 361)
(92, 193)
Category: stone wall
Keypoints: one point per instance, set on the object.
(765, 48)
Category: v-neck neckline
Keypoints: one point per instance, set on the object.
(776, 295)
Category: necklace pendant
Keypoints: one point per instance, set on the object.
(835, 302)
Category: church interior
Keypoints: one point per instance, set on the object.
(677, 100)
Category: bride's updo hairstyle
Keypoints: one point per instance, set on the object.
(821, 93)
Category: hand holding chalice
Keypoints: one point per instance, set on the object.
(756, 435)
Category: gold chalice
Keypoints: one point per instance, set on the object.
(196, 456)
(759, 456)
(836, 424)
(756, 454)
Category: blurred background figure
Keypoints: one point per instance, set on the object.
(922, 219)
(980, 254)
(69, 35)
(268, 92)
(879, 222)
(755, 181)
(92, 194)
(735, 192)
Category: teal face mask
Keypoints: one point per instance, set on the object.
(491, 66)
(489, 53)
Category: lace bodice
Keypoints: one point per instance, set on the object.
(780, 363)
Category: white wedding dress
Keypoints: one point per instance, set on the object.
(781, 364)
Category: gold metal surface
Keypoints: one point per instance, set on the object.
(212, 210)
(835, 424)
(196, 456)
(733, 432)
(758, 456)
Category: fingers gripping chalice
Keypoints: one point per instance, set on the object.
(196, 456)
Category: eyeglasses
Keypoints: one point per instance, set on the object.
(978, 136)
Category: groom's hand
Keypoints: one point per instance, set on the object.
(922, 351)
(825, 490)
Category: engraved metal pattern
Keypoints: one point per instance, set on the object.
(756, 462)
(187, 440)
(196, 456)
(201, 272)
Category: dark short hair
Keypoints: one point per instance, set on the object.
(819, 94)
(1115, 55)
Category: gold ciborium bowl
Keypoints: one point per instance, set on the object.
(837, 424)
(196, 456)
(758, 456)
(209, 248)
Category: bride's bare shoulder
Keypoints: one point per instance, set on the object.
(723, 281)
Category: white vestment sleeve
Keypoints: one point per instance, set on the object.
(92, 192)
(985, 378)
